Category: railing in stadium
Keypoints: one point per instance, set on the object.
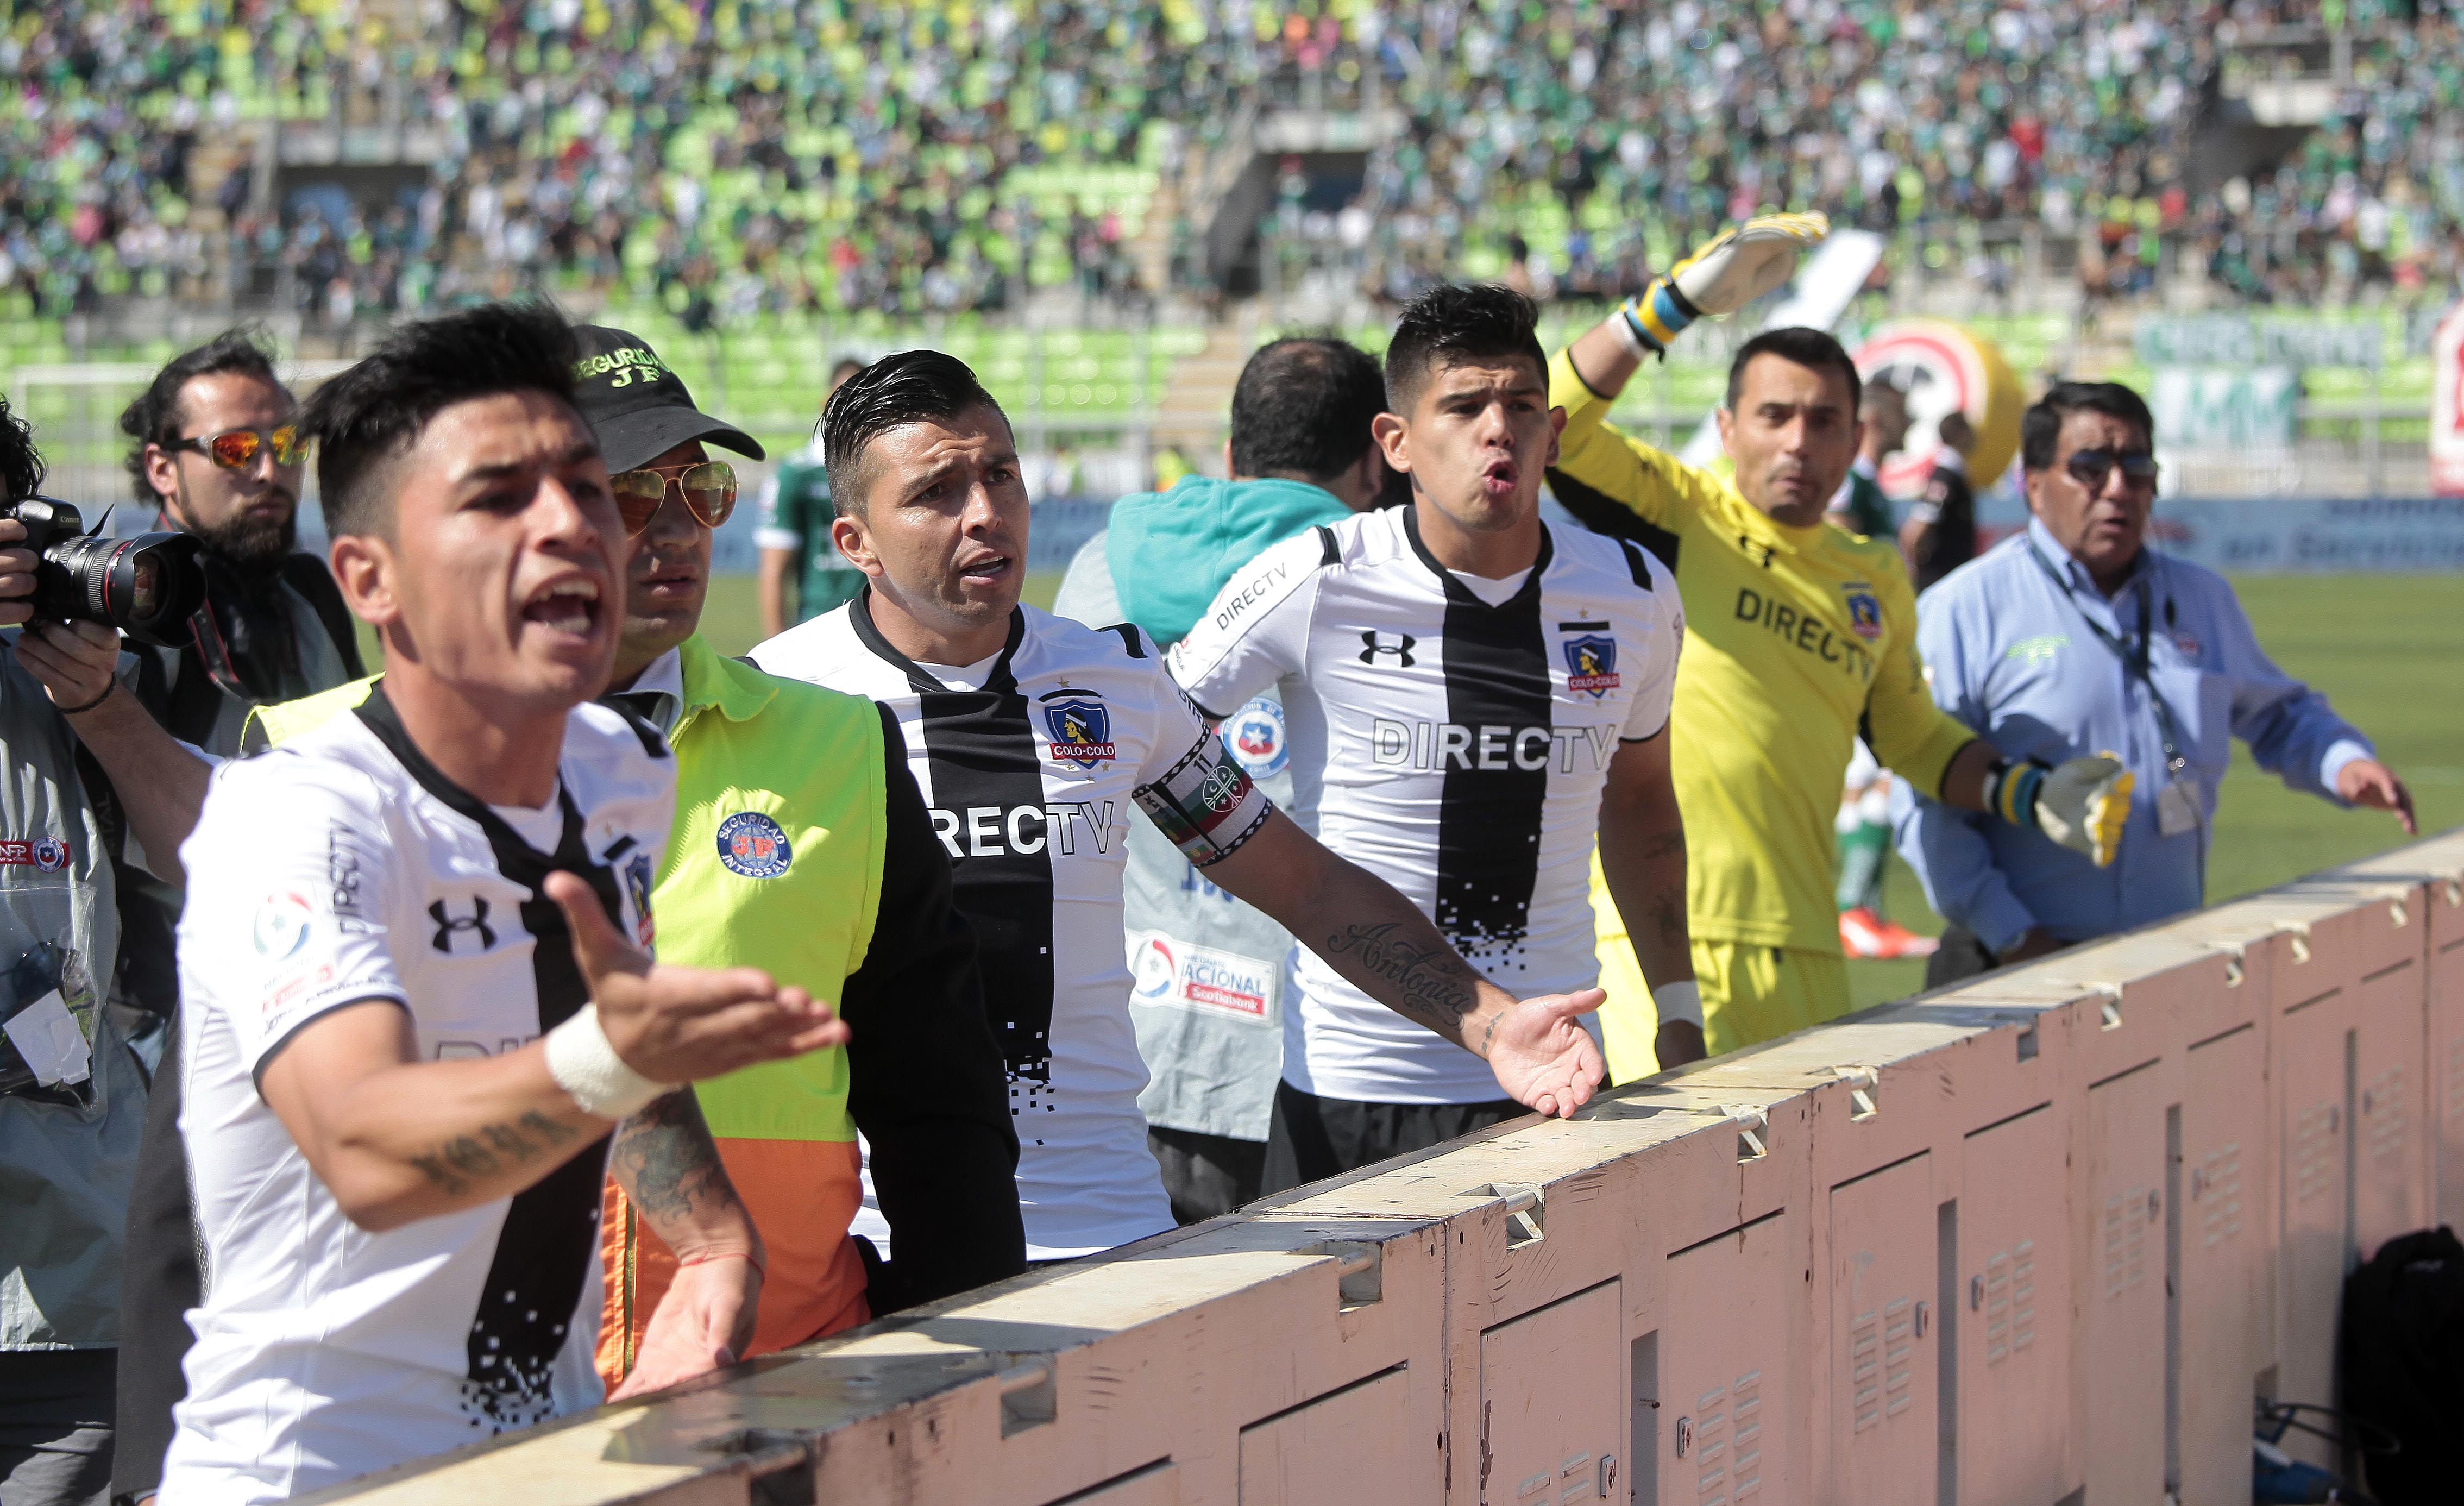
(2041, 1235)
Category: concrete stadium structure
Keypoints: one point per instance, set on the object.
(2039, 1239)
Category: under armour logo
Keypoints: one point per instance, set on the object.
(1373, 644)
(1749, 545)
(450, 925)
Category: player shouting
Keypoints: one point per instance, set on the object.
(1471, 696)
(1036, 740)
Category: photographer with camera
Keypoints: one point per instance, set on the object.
(217, 452)
(72, 1094)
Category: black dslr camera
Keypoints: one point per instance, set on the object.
(147, 587)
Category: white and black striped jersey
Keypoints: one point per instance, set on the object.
(343, 867)
(1452, 736)
(1033, 763)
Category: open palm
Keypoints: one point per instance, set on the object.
(1542, 1055)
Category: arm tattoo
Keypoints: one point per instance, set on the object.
(1668, 913)
(1435, 985)
(665, 1163)
(1668, 844)
(464, 1158)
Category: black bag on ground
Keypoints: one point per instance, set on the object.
(2402, 1350)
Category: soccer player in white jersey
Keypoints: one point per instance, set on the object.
(1470, 696)
(1036, 740)
(411, 1026)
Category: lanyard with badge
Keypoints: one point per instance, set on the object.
(2177, 803)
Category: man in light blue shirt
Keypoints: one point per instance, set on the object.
(2075, 638)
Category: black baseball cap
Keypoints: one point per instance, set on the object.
(637, 407)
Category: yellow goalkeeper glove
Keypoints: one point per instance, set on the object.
(2082, 803)
(1724, 275)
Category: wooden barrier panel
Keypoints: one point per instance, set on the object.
(2037, 1239)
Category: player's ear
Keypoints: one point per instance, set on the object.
(363, 567)
(854, 542)
(1727, 422)
(1392, 434)
(1557, 432)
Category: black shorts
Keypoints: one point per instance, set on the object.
(1311, 1139)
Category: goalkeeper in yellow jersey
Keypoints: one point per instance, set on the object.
(1798, 634)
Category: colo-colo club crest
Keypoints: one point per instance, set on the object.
(1864, 613)
(1081, 727)
(1590, 664)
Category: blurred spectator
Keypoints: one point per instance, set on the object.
(733, 160)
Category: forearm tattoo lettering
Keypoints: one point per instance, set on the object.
(1434, 984)
(454, 1165)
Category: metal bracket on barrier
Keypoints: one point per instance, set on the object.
(1521, 1204)
(2300, 931)
(1026, 1395)
(2397, 913)
(778, 1464)
(1752, 1125)
(1861, 1081)
(2108, 1014)
(2236, 955)
(2454, 887)
(1358, 1270)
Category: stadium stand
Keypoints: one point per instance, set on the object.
(736, 161)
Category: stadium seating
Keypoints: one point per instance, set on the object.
(735, 162)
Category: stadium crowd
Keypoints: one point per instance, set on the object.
(936, 993)
(737, 158)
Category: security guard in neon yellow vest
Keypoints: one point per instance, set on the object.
(802, 846)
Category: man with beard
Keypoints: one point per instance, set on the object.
(217, 452)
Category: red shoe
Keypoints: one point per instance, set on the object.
(1865, 934)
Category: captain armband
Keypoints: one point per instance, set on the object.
(1206, 804)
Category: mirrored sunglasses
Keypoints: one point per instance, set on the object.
(236, 448)
(2089, 468)
(708, 488)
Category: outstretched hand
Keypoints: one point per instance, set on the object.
(685, 1024)
(2367, 782)
(1542, 1055)
(704, 1323)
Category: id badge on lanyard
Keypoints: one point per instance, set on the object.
(2177, 803)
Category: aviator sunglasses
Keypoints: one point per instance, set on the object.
(708, 488)
(236, 448)
(2090, 468)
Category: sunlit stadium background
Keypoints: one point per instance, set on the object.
(2252, 210)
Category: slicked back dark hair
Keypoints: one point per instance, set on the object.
(1303, 408)
(2040, 429)
(21, 464)
(368, 416)
(1807, 347)
(909, 387)
(155, 418)
(1455, 323)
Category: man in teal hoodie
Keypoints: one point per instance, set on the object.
(1209, 970)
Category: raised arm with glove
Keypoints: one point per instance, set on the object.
(1723, 276)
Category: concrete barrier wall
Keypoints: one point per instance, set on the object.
(2040, 1239)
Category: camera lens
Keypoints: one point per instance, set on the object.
(147, 587)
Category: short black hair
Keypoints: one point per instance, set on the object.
(372, 413)
(1303, 408)
(909, 387)
(154, 418)
(21, 464)
(1455, 323)
(2040, 429)
(1808, 347)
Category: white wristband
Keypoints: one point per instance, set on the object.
(1679, 1000)
(585, 1066)
(1633, 336)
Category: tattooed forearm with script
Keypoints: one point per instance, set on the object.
(1431, 985)
(455, 1165)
